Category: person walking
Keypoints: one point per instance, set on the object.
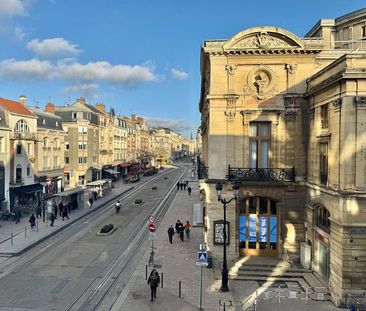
(181, 231)
(60, 208)
(187, 229)
(189, 190)
(154, 281)
(181, 186)
(64, 213)
(184, 186)
(178, 185)
(54, 209)
(177, 226)
(52, 218)
(170, 234)
(91, 202)
(32, 221)
(18, 214)
(39, 210)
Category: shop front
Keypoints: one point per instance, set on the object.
(25, 199)
(74, 198)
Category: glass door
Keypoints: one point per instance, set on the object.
(323, 259)
(258, 229)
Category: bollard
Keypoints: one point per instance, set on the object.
(180, 289)
(306, 294)
(162, 280)
(11, 238)
(146, 272)
(25, 231)
(224, 306)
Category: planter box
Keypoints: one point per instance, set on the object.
(108, 233)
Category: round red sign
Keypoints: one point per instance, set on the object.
(152, 227)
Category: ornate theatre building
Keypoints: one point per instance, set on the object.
(285, 118)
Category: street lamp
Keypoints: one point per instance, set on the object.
(224, 272)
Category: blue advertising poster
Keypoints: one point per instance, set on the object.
(273, 230)
(242, 228)
(252, 228)
(263, 229)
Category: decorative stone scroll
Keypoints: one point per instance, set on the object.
(337, 104)
(359, 102)
(291, 68)
(231, 71)
(263, 40)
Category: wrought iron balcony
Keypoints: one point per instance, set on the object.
(261, 174)
(202, 170)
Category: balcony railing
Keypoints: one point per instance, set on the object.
(27, 136)
(261, 174)
(202, 170)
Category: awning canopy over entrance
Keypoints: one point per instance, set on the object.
(110, 171)
(70, 192)
(98, 182)
(28, 189)
(125, 164)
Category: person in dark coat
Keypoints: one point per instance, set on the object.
(18, 215)
(184, 186)
(181, 186)
(60, 208)
(65, 213)
(178, 185)
(170, 234)
(189, 190)
(177, 226)
(154, 281)
(181, 231)
(32, 221)
(52, 218)
(54, 208)
(39, 210)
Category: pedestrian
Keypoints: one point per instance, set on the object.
(52, 218)
(64, 213)
(187, 229)
(60, 208)
(90, 202)
(178, 184)
(184, 186)
(181, 232)
(181, 186)
(18, 214)
(189, 190)
(54, 207)
(32, 221)
(39, 210)
(170, 234)
(177, 226)
(154, 281)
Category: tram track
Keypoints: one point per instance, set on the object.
(126, 254)
(99, 288)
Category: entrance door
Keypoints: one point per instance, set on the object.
(258, 227)
(324, 260)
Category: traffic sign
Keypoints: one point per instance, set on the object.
(201, 259)
(151, 219)
(152, 227)
(151, 236)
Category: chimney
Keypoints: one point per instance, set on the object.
(50, 108)
(23, 99)
(81, 100)
(133, 117)
(100, 107)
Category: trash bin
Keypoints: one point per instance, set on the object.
(209, 260)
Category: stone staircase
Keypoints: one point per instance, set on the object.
(276, 272)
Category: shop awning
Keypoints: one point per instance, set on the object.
(28, 189)
(97, 182)
(125, 164)
(110, 171)
(69, 192)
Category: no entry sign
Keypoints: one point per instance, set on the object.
(152, 227)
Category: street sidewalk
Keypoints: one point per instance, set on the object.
(24, 238)
(177, 263)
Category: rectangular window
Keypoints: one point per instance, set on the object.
(85, 130)
(67, 160)
(66, 129)
(67, 146)
(80, 130)
(259, 145)
(55, 162)
(45, 162)
(80, 146)
(1, 144)
(85, 160)
(19, 149)
(29, 149)
(324, 116)
(80, 160)
(323, 161)
(85, 146)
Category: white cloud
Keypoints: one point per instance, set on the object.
(175, 125)
(86, 90)
(70, 70)
(19, 33)
(12, 7)
(52, 47)
(33, 69)
(178, 74)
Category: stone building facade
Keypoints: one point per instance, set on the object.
(283, 116)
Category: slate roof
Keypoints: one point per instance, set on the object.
(47, 120)
(15, 107)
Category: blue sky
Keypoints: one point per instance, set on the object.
(140, 56)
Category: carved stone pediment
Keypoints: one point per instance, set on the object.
(266, 38)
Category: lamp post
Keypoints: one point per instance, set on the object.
(224, 272)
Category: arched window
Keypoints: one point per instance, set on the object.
(21, 127)
(321, 218)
